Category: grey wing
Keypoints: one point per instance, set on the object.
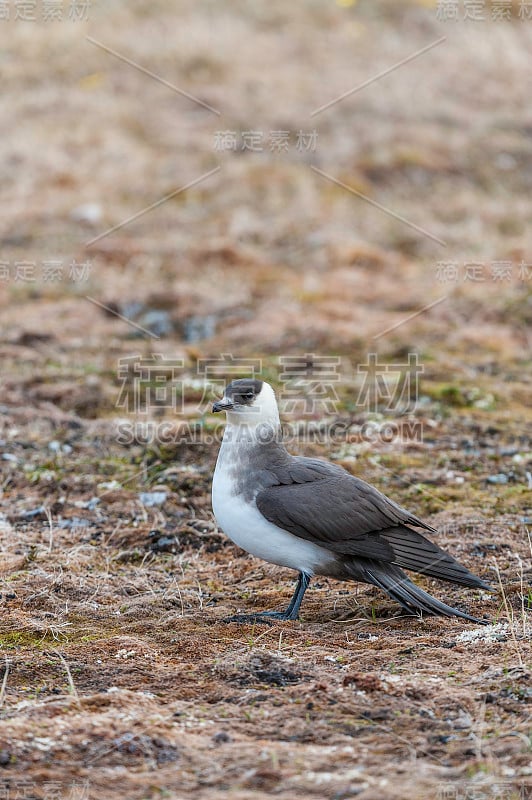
(324, 504)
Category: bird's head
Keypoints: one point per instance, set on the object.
(249, 401)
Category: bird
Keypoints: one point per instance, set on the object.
(317, 518)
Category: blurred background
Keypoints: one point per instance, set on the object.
(311, 224)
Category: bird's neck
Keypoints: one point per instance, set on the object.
(248, 434)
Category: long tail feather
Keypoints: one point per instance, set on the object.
(400, 588)
(413, 551)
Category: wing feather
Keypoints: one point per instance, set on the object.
(326, 505)
(323, 503)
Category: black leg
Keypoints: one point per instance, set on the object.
(303, 581)
(292, 612)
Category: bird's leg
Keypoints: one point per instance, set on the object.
(303, 581)
(292, 612)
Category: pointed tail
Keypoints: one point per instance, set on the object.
(413, 551)
(392, 580)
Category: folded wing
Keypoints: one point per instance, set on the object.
(324, 504)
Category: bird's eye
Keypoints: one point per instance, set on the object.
(248, 396)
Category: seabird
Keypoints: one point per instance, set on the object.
(315, 517)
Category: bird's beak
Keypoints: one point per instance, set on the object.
(222, 405)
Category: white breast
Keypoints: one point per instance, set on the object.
(247, 528)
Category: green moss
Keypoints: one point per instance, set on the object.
(30, 639)
(458, 396)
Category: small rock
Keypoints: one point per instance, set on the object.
(197, 328)
(443, 738)
(132, 309)
(5, 758)
(90, 505)
(157, 322)
(88, 213)
(34, 512)
(222, 737)
(463, 721)
(166, 544)
(500, 477)
(73, 522)
(9, 457)
(508, 451)
(165, 753)
(150, 499)
(110, 486)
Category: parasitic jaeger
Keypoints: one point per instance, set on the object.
(315, 517)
